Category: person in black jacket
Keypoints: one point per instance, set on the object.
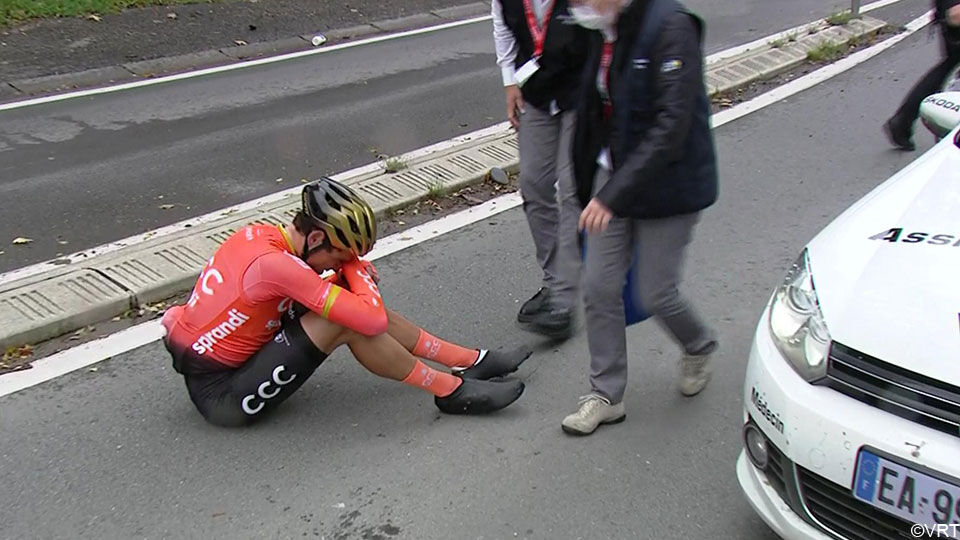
(899, 128)
(645, 167)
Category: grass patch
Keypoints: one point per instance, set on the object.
(436, 191)
(827, 51)
(839, 18)
(15, 11)
(394, 164)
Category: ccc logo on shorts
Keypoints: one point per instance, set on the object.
(251, 405)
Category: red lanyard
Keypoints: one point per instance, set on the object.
(603, 77)
(538, 33)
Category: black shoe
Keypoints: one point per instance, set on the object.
(480, 397)
(495, 364)
(553, 323)
(901, 138)
(539, 302)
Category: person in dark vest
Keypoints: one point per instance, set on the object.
(645, 168)
(541, 55)
(899, 128)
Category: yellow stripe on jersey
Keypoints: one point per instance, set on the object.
(328, 305)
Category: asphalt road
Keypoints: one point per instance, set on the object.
(88, 171)
(120, 452)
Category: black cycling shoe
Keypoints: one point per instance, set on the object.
(495, 364)
(538, 303)
(480, 397)
(553, 323)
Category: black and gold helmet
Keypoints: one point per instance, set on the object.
(347, 219)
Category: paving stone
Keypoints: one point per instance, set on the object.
(405, 23)
(467, 11)
(68, 81)
(351, 32)
(254, 50)
(176, 64)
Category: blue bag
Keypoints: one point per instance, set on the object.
(632, 306)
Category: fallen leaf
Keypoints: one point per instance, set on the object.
(19, 241)
(171, 15)
(240, 42)
(470, 199)
(95, 18)
(166, 206)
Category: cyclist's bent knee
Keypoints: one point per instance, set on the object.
(326, 335)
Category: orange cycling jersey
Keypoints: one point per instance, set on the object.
(250, 282)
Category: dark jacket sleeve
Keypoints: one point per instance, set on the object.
(679, 63)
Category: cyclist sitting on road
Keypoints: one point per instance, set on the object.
(260, 319)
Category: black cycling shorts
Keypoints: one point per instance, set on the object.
(237, 397)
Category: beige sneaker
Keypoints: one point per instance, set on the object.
(594, 410)
(694, 373)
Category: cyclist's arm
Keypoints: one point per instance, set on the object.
(282, 275)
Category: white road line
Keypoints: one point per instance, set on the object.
(238, 65)
(736, 51)
(95, 351)
(283, 57)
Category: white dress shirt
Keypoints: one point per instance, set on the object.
(506, 42)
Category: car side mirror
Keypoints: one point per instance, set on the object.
(940, 113)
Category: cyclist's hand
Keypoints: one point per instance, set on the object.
(370, 270)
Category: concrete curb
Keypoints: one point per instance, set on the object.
(11, 91)
(766, 62)
(60, 300)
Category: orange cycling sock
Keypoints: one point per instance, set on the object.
(438, 383)
(448, 354)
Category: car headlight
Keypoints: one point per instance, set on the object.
(796, 322)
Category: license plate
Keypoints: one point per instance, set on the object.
(904, 492)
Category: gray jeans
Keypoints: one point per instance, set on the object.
(550, 199)
(661, 244)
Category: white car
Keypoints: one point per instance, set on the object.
(852, 391)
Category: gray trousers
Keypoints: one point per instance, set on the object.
(550, 199)
(662, 243)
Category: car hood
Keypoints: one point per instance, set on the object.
(887, 271)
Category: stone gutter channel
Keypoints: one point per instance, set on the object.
(63, 299)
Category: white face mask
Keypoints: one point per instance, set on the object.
(589, 18)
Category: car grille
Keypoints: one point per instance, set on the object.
(893, 389)
(836, 509)
(774, 470)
